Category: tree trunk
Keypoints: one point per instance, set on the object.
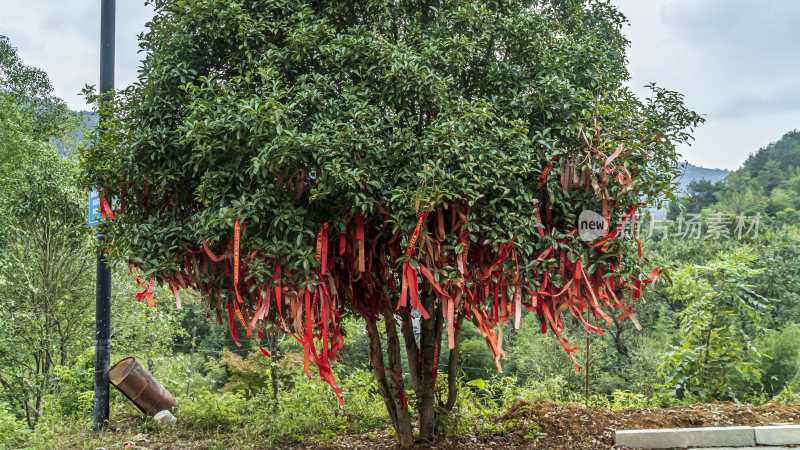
(586, 371)
(412, 350)
(393, 395)
(422, 360)
(273, 366)
(707, 346)
(429, 343)
(26, 406)
(452, 368)
(376, 359)
(397, 387)
(618, 328)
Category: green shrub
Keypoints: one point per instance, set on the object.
(206, 411)
(74, 387)
(790, 394)
(621, 400)
(248, 374)
(781, 365)
(481, 401)
(716, 358)
(13, 430)
(310, 411)
(307, 412)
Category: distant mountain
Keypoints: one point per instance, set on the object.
(697, 173)
(87, 119)
(768, 183)
(776, 167)
(785, 152)
(692, 174)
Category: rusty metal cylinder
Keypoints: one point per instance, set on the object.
(139, 385)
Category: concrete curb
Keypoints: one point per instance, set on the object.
(777, 435)
(687, 437)
(709, 437)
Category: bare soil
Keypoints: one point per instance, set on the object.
(548, 425)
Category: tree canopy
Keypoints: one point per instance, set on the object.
(32, 115)
(295, 162)
(44, 242)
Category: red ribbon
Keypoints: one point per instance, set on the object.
(413, 288)
(308, 338)
(408, 270)
(174, 288)
(545, 172)
(322, 248)
(236, 237)
(150, 287)
(105, 208)
(360, 240)
(232, 323)
(210, 254)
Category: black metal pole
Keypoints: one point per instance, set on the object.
(102, 342)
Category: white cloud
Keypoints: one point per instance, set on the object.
(734, 60)
(63, 38)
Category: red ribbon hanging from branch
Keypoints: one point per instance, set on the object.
(406, 281)
(232, 322)
(150, 287)
(322, 248)
(236, 238)
(105, 208)
(359, 218)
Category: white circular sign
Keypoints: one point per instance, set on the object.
(591, 226)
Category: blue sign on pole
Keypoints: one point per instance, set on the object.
(95, 216)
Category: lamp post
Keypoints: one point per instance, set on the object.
(102, 342)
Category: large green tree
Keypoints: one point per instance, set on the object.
(45, 280)
(45, 251)
(722, 316)
(301, 161)
(32, 115)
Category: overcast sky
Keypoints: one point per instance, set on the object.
(736, 61)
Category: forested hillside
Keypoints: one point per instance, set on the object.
(768, 183)
(692, 173)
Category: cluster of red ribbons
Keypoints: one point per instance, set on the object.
(481, 281)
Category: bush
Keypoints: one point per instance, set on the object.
(481, 401)
(13, 430)
(310, 411)
(210, 411)
(621, 400)
(781, 365)
(246, 375)
(74, 387)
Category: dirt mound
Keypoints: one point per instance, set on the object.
(573, 426)
(548, 425)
